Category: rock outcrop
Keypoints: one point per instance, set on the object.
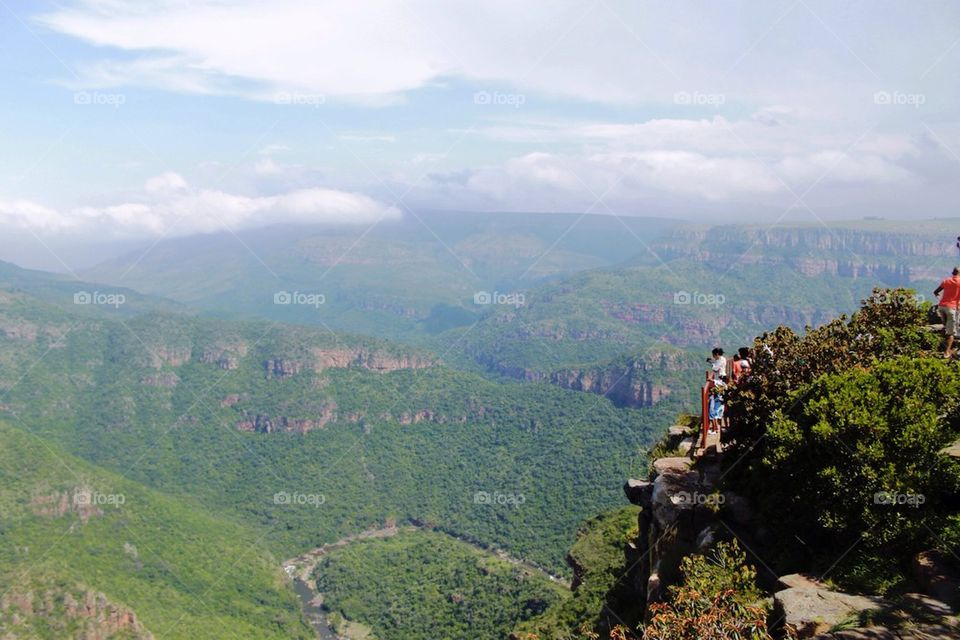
(343, 358)
(624, 386)
(78, 613)
(679, 515)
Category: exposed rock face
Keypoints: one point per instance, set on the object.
(624, 386)
(280, 368)
(78, 613)
(16, 329)
(365, 359)
(168, 355)
(226, 357)
(342, 358)
(267, 424)
(676, 518)
(811, 611)
(812, 251)
(283, 424)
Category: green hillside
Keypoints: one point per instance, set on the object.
(184, 573)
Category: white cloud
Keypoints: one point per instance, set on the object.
(168, 182)
(24, 214)
(267, 167)
(616, 51)
(170, 207)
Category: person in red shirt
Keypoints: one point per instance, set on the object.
(949, 301)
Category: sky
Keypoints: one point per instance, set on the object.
(124, 120)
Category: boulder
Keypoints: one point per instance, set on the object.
(813, 611)
(638, 492)
(673, 495)
(672, 465)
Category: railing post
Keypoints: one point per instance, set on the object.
(704, 412)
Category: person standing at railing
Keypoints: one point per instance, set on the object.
(718, 363)
(949, 301)
(717, 388)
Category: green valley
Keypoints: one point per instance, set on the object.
(425, 585)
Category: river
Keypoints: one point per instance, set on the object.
(313, 612)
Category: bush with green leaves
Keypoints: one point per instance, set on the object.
(855, 461)
(890, 323)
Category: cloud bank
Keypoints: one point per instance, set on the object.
(169, 206)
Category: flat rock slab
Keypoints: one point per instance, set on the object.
(799, 581)
(953, 450)
(915, 632)
(675, 466)
(812, 611)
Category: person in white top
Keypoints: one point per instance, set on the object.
(718, 363)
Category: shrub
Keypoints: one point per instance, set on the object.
(854, 460)
(714, 602)
(890, 323)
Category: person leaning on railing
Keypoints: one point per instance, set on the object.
(947, 307)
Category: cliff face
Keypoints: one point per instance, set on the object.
(342, 358)
(624, 385)
(260, 423)
(815, 251)
(78, 613)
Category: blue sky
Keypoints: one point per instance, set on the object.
(128, 120)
